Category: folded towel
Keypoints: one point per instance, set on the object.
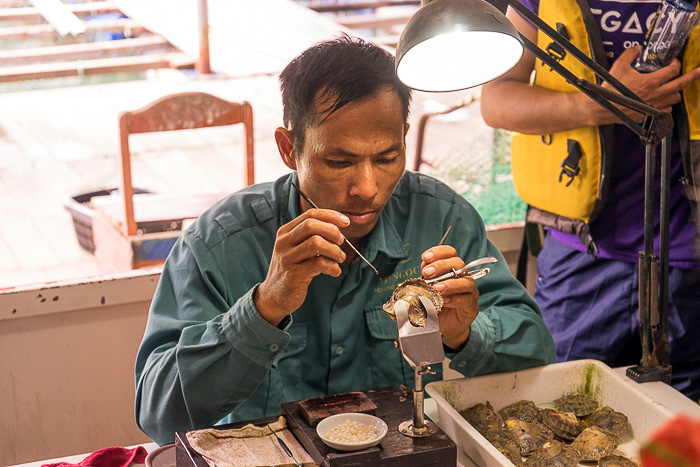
(109, 457)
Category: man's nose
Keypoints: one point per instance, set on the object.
(364, 184)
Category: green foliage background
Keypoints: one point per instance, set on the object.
(487, 185)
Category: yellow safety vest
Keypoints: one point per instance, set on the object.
(563, 177)
(691, 94)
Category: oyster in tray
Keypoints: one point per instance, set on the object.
(409, 291)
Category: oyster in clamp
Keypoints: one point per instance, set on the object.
(409, 291)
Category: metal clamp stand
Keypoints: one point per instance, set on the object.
(653, 300)
(421, 347)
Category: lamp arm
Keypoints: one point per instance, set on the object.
(657, 124)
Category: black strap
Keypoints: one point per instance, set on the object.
(569, 166)
(521, 268)
(555, 50)
(595, 39)
(564, 224)
(531, 245)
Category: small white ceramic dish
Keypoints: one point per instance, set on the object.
(164, 456)
(327, 424)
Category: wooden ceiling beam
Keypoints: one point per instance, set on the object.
(372, 21)
(79, 9)
(84, 51)
(122, 25)
(325, 8)
(92, 67)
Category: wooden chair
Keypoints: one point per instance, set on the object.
(121, 240)
(422, 124)
(183, 111)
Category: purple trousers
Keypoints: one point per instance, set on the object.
(591, 307)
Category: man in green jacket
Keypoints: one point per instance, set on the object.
(261, 302)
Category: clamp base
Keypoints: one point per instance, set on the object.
(407, 428)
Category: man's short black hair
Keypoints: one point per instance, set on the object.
(344, 69)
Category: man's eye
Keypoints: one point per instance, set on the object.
(387, 160)
(338, 163)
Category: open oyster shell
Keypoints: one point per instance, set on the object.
(409, 291)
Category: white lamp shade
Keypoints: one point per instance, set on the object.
(456, 44)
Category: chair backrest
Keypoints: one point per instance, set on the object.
(423, 122)
(182, 111)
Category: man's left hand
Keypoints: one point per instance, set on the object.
(460, 295)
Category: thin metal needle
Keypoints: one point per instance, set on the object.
(313, 205)
(284, 446)
(444, 237)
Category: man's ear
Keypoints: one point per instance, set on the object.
(285, 145)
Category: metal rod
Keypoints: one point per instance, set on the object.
(645, 279)
(313, 205)
(660, 337)
(419, 399)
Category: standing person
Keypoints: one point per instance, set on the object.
(587, 283)
(261, 302)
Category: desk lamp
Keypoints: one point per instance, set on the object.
(450, 45)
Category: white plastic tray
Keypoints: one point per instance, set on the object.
(542, 385)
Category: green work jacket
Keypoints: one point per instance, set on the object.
(207, 357)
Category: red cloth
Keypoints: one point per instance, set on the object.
(676, 443)
(109, 457)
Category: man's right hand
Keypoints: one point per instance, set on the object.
(660, 88)
(304, 248)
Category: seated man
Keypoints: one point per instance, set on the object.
(262, 302)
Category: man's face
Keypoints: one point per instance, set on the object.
(353, 160)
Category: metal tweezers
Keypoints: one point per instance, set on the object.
(465, 270)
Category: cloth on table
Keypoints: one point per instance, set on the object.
(109, 457)
(248, 446)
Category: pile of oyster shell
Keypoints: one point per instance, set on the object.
(575, 430)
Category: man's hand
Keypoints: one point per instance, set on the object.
(304, 248)
(460, 295)
(512, 103)
(660, 88)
